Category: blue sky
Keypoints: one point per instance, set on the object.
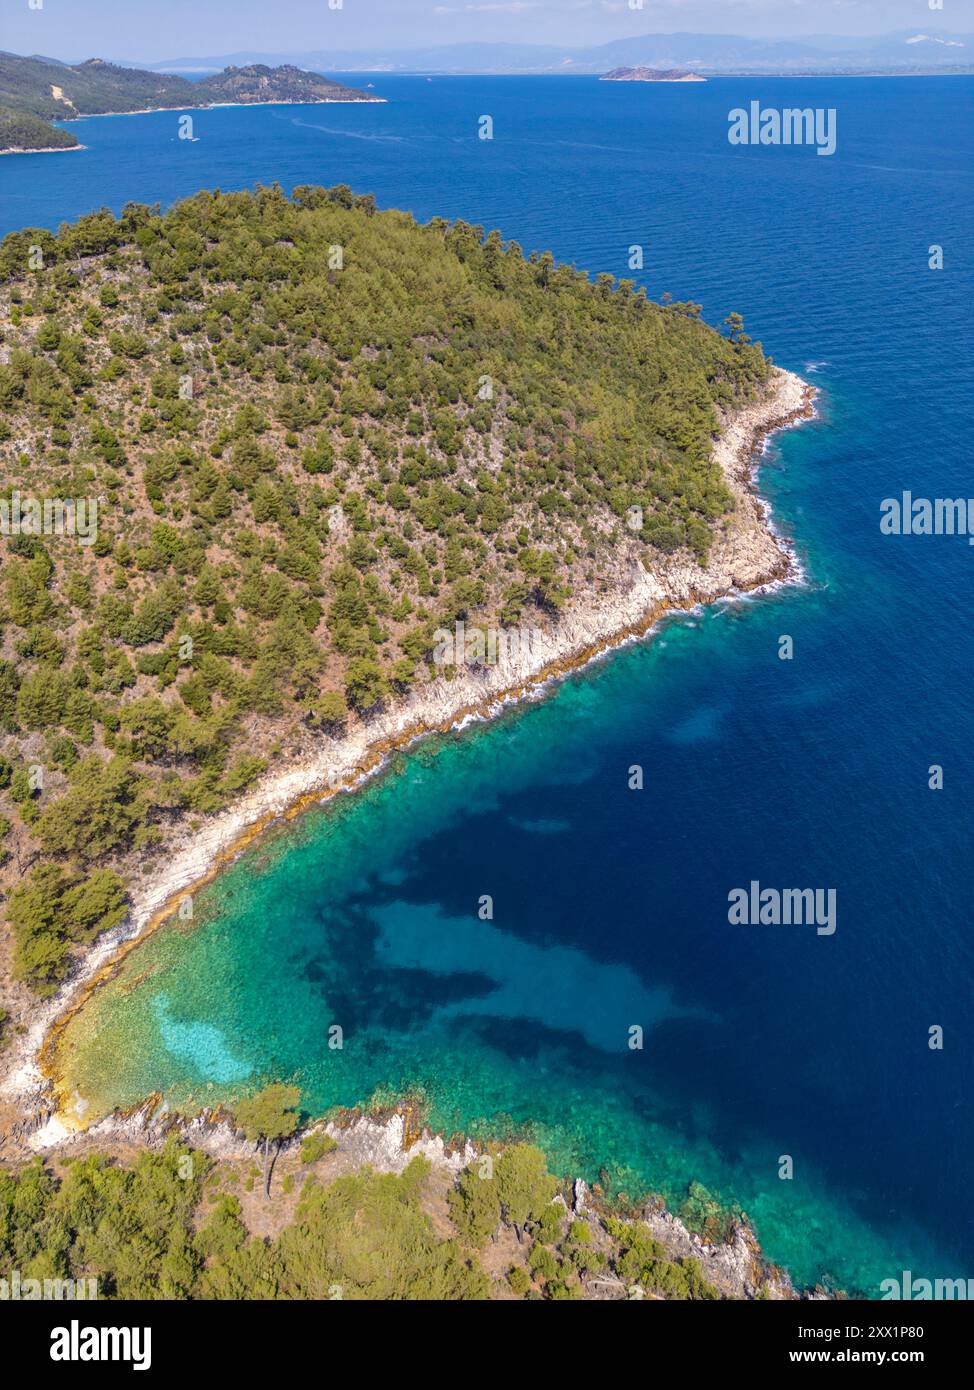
(154, 30)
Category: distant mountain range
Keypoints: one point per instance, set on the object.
(917, 50)
(35, 91)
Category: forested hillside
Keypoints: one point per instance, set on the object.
(58, 90)
(34, 92)
(22, 130)
(315, 433)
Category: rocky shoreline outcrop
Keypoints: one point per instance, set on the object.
(386, 1142)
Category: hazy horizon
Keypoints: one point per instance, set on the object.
(173, 29)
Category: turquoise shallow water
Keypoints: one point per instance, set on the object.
(361, 916)
(610, 907)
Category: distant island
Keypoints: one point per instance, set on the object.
(651, 75)
(34, 92)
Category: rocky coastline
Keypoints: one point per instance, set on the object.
(748, 554)
(387, 1141)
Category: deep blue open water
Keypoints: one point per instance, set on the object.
(611, 905)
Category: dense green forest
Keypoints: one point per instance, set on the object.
(22, 130)
(34, 92)
(170, 1225)
(315, 434)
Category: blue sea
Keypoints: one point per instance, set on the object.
(610, 905)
